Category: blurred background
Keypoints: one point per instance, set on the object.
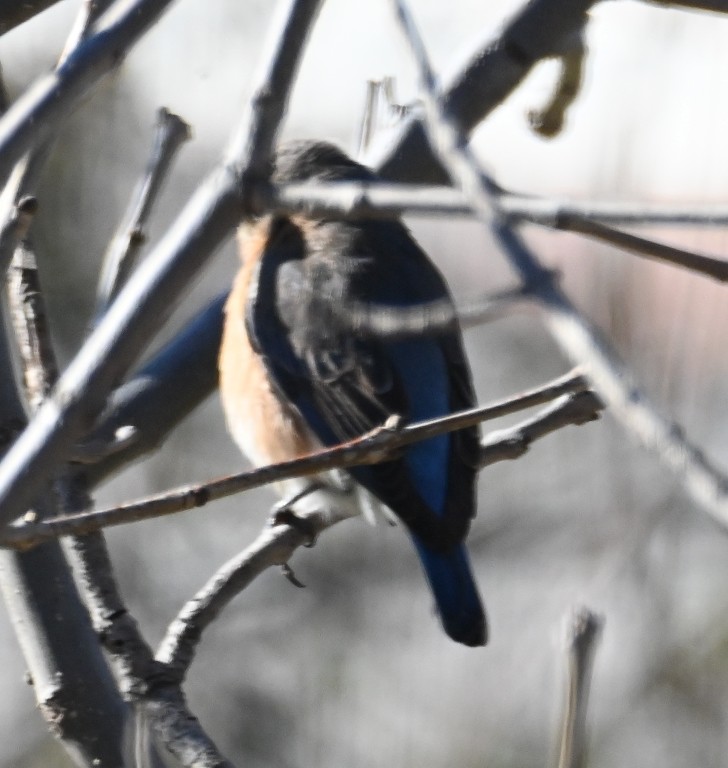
(354, 670)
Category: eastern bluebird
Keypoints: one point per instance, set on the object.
(295, 375)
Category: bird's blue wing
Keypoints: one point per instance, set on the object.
(344, 384)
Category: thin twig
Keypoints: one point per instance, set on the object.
(383, 199)
(34, 116)
(172, 131)
(352, 200)
(511, 443)
(584, 628)
(374, 447)
(151, 293)
(429, 318)
(24, 176)
(444, 133)
(538, 30)
(580, 341)
(697, 262)
(617, 387)
(368, 118)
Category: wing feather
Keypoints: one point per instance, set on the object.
(344, 384)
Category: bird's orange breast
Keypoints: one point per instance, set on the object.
(264, 427)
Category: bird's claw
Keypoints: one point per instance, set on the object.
(287, 571)
(282, 514)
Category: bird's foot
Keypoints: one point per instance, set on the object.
(284, 514)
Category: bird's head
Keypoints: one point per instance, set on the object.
(300, 161)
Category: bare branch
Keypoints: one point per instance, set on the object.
(151, 293)
(426, 319)
(60, 689)
(144, 409)
(381, 199)
(86, 17)
(23, 179)
(366, 125)
(584, 628)
(123, 251)
(94, 568)
(274, 546)
(508, 444)
(578, 339)
(37, 113)
(145, 681)
(540, 29)
(705, 265)
(617, 387)
(375, 446)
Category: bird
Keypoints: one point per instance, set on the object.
(296, 374)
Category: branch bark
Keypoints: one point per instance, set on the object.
(73, 686)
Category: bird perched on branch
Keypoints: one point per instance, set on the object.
(296, 374)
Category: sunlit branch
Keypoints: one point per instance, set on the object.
(274, 546)
(30, 326)
(382, 199)
(352, 200)
(389, 321)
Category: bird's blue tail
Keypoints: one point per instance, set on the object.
(456, 596)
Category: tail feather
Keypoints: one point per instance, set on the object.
(456, 596)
